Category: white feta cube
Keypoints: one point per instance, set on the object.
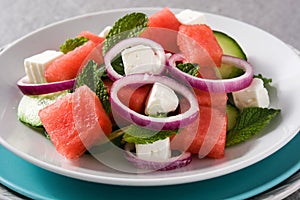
(255, 95)
(141, 59)
(36, 65)
(157, 151)
(161, 99)
(190, 17)
(105, 31)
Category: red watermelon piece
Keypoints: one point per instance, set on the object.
(206, 136)
(206, 99)
(135, 98)
(163, 28)
(210, 99)
(95, 38)
(76, 122)
(67, 66)
(98, 41)
(199, 45)
(164, 18)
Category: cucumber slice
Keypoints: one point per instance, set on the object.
(30, 106)
(232, 115)
(232, 48)
(229, 45)
(229, 71)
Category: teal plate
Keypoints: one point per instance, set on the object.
(37, 183)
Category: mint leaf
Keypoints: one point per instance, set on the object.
(72, 43)
(131, 25)
(118, 65)
(103, 95)
(139, 135)
(91, 76)
(251, 121)
(266, 81)
(189, 68)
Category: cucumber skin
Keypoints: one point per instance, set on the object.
(229, 45)
(29, 107)
(232, 48)
(232, 115)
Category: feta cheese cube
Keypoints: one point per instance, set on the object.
(36, 65)
(105, 31)
(255, 95)
(141, 59)
(161, 99)
(190, 17)
(157, 151)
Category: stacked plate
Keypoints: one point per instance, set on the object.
(246, 169)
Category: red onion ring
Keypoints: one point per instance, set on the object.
(166, 123)
(115, 50)
(210, 85)
(172, 163)
(43, 88)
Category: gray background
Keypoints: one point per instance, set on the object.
(278, 17)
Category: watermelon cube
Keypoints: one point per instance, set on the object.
(76, 122)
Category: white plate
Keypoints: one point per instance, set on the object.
(270, 56)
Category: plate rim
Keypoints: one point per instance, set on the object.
(264, 186)
(113, 180)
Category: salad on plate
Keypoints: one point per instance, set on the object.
(164, 89)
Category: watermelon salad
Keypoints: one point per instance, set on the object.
(165, 88)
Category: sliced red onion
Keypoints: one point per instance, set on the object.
(212, 85)
(173, 59)
(43, 88)
(172, 163)
(165, 123)
(115, 50)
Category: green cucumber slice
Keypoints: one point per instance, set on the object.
(229, 45)
(30, 105)
(232, 48)
(232, 115)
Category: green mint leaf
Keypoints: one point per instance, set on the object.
(251, 121)
(72, 43)
(266, 81)
(118, 65)
(131, 25)
(103, 95)
(139, 135)
(189, 68)
(91, 76)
